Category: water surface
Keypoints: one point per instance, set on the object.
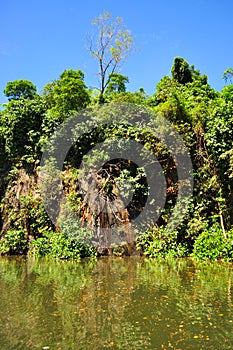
(115, 303)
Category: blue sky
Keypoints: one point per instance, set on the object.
(39, 39)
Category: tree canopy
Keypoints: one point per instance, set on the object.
(67, 94)
(116, 83)
(181, 71)
(20, 88)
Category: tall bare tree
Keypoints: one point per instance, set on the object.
(110, 45)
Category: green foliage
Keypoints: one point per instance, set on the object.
(201, 115)
(219, 134)
(21, 123)
(181, 71)
(119, 250)
(161, 243)
(219, 140)
(204, 120)
(212, 245)
(63, 246)
(137, 97)
(227, 93)
(72, 240)
(20, 88)
(3, 155)
(14, 242)
(228, 75)
(173, 109)
(116, 83)
(163, 90)
(33, 216)
(66, 95)
(191, 102)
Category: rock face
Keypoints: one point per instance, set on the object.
(109, 224)
(22, 208)
(13, 215)
(105, 214)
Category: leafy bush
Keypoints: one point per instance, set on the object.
(211, 244)
(161, 243)
(59, 245)
(73, 241)
(14, 242)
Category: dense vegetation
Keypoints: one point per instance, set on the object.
(201, 115)
(204, 118)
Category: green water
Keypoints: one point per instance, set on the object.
(115, 303)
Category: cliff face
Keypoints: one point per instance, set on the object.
(21, 207)
(24, 217)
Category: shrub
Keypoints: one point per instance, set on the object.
(59, 245)
(161, 243)
(13, 243)
(212, 245)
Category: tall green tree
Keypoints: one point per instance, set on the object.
(21, 124)
(66, 95)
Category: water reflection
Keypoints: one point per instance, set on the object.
(115, 303)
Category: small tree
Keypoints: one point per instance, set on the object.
(66, 95)
(116, 83)
(110, 47)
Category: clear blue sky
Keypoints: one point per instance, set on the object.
(39, 39)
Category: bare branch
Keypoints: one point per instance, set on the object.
(111, 46)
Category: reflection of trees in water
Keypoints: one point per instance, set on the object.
(115, 303)
(37, 302)
(106, 304)
(191, 303)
